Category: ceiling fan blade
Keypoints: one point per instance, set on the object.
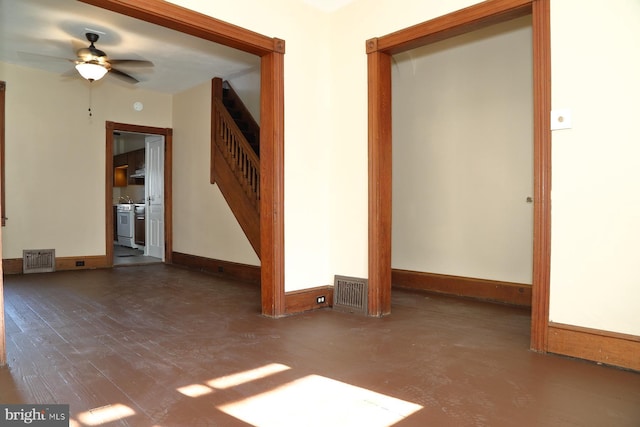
(77, 44)
(72, 73)
(39, 57)
(131, 62)
(123, 76)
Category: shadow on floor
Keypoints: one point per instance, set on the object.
(123, 255)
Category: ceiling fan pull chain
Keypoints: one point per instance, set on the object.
(90, 112)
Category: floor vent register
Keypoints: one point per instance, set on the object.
(350, 294)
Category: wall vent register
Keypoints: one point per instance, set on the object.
(38, 261)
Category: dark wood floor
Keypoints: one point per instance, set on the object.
(162, 346)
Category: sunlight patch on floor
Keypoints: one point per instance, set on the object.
(105, 414)
(318, 401)
(195, 390)
(234, 380)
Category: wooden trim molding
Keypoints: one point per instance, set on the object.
(610, 348)
(307, 299)
(82, 263)
(108, 193)
(190, 22)
(3, 211)
(379, 92)
(379, 51)
(295, 302)
(279, 45)
(14, 265)
(272, 184)
(3, 340)
(462, 21)
(233, 270)
(541, 174)
(468, 287)
(216, 93)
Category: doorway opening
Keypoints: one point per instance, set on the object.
(138, 198)
(271, 52)
(379, 61)
(463, 165)
(138, 194)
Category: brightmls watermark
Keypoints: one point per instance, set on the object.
(34, 415)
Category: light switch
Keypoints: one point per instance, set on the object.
(561, 119)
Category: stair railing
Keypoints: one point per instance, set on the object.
(237, 152)
(246, 116)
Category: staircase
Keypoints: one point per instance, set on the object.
(241, 116)
(235, 162)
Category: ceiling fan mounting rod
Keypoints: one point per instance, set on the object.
(92, 37)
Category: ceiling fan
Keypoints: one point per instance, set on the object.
(93, 64)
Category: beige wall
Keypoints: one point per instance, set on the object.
(463, 155)
(595, 279)
(55, 158)
(325, 123)
(203, 224)
(309, 164)
(347, 139)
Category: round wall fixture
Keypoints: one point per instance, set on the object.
(138, 106)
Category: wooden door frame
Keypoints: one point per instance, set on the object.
(3, 342)
(167, 133)
(379, 52)
(271, 51)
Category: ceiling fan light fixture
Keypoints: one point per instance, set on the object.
(91, 71)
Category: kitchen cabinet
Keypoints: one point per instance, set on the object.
(120, 160)
(135, 162)
(125, 165)
(120, 176)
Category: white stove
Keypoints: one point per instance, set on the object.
(125, 226)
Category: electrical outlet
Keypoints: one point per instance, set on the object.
(79, 263)
(321, 299)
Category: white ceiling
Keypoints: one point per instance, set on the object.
(43, 34)
(328, 5)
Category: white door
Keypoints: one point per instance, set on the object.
(154, 191)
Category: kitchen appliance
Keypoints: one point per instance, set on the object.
(139, 173)
(139, 229)
(126, 229)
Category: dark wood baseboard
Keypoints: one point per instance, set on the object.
(248, 273)
(307, 299)
(81, 263)
(606, 347)
(14, 265)
(295, 302)
(488, 290)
